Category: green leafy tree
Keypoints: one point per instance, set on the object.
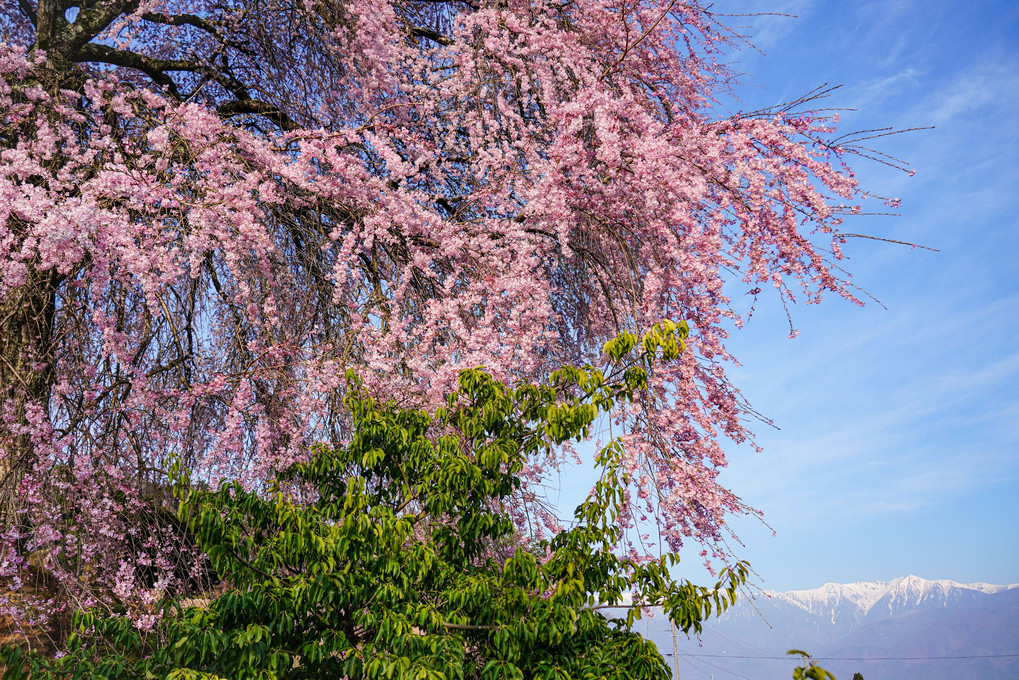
(809, 670)
(396, 557)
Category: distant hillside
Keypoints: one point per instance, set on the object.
(889, 630)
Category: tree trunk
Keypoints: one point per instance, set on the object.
(26, 379)
(27, 360)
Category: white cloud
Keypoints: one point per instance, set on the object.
(986, 88)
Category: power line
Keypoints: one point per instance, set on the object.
(856, 658)
(721, 668)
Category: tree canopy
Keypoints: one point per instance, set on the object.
(213, 209)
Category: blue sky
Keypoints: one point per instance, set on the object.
(899, 444)
(898, 451)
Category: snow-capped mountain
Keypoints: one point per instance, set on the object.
(837, 607)
(907, 629)
(887, 597)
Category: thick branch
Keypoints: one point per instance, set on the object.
(243, 107)
(420, 32)
(465, 626)
(28, 12)
(472, 5)
(47, 18)
(91, 21)
(154, 68)
(108, 55)
(212, 28)
(181, 20)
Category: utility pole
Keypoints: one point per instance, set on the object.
(675, 649)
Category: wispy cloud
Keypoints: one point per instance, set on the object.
(872, 92)
(867, 436)
(990, 86)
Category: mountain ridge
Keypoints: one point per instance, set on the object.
(901, 592)
(908, 628)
